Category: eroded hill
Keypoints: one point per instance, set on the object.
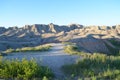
(104, 39)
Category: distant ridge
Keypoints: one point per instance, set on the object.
(89, 38)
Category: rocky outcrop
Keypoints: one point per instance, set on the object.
(89, 38)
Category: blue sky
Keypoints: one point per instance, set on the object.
(61, 12)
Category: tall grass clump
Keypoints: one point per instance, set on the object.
(27, 49)
(23, 70)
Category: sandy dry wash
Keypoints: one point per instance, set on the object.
(54, 59)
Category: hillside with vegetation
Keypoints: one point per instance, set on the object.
(103, 39)
(75, 52)
(95, 66)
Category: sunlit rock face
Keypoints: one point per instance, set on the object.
(89, 38)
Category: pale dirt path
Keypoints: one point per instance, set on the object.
(54, 59)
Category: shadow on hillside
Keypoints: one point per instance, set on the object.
(110, 46)
(10, 42)
(86, 44)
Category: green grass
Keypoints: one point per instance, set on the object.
(72, 49)
(93, 66)
(28, 49)
(23, 70)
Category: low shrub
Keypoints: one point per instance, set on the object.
(23, 70)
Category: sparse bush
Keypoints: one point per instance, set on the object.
(23, 70)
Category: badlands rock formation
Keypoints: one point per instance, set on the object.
(88, 38)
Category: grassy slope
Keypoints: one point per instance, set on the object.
(93, 66)
(26, 49)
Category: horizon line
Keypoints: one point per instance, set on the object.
(58, 24)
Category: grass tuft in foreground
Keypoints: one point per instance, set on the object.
(23, 70)
(97, 65)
